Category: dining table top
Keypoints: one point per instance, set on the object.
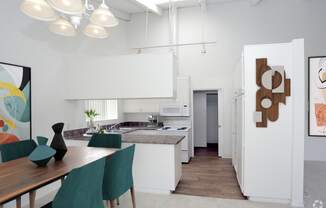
(21, 176)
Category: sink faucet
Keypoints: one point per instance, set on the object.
(114, 126)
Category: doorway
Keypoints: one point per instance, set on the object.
(206, 123)
(207, 174)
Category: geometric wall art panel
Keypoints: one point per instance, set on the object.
(317, 96)
(15, 103)
(273, 89)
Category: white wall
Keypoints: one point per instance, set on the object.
(28, 42)
(233, 25)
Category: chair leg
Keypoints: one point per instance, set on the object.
(112, 204)
(32, 196)
(118, 202)
(19, 202)
(133, 198)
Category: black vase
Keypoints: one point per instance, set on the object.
(57, 142)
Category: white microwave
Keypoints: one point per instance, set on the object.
(174, 109)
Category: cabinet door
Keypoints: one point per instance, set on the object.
(143, 105)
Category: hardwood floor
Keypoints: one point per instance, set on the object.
(209, 175)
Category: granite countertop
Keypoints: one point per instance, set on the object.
(151, 137)
(142, 135)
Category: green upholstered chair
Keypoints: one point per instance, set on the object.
(118, 177)
(17, 150)
(82, 188)
(105, 140)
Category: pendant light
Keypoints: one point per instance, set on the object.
(38, 9)
(95, 31)
(103, 16)
(71, 7)
(62, 27)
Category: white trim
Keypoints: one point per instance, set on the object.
(221, 138)
(269, 200)
(221, 116)
(298, 81)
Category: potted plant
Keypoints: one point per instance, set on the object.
(91, 114)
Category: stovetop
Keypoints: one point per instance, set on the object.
(173, 128)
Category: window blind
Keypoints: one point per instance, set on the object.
(108, 109)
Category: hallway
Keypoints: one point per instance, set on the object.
(209, 175)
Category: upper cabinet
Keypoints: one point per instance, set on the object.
(152, 105)
(121, 77)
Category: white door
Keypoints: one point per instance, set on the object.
(212, 118)
(200, 121)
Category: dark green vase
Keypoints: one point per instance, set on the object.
(57, 142)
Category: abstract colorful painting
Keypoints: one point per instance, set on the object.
(15, 103)
(317, 96)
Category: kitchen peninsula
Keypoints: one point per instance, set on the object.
(157, 161)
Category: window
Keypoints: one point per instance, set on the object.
(108, 109)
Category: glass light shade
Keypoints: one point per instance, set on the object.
(104, 17)
(62, 27)
(38, 9)
(95, 31)
(68, 6)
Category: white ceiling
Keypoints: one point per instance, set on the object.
(131, 6)
(128, 6)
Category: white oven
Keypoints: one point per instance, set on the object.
(174, 109)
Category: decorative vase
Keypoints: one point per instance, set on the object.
(57, 142)
(42, 154)
(91, 126)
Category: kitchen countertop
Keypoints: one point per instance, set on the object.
(142, 135)
(151, 137)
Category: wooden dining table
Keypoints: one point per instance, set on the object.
(21, 176)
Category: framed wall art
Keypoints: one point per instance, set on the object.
(317, 96)
(274, 88)
(15, 103)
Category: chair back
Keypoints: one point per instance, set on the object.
(105, 140)
(118, 173)
(42, 140)
(82, 188)
(17, 150)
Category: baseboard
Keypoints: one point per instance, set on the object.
(269, 200)
(297, 205)
(149, 190)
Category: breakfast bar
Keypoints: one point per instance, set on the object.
(157, 161)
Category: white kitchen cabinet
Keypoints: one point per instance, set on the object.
(143, 105)
(152, 105)
(121, 77)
